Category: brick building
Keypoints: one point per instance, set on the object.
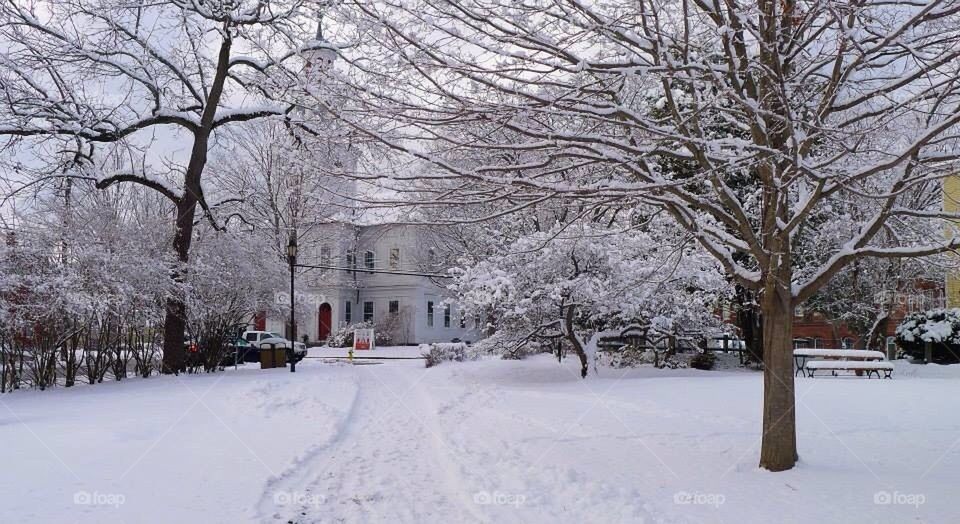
(815, 330)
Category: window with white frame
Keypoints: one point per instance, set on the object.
(369, 260)
(368, 311)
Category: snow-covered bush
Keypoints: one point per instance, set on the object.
(82, 291)
(221, 297)
(706, 360)
(505, 345)
(80, 317)
(438, 352)
(628, 357)
(632, 356)
(342, 336)
(941, 327)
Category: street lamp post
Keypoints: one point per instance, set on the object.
(292, 258)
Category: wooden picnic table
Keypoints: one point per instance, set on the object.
(870, 367)
(801, 355)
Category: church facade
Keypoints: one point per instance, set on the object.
(386, 275)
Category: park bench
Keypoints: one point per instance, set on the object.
(802, 355)
(871, 367)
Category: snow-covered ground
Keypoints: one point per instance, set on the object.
(487, 441)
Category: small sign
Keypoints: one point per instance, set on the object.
(362, 339)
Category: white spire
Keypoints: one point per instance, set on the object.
(319, 53)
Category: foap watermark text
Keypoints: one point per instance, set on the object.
(499, 498)
(697, 498)
(96, 498)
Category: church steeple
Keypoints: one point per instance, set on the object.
(319, 53)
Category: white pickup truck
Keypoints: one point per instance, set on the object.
(255, 338)
(731, 343)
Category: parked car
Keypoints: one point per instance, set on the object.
(255, 338)
(192, 348)
(716, 343)
(245, 351)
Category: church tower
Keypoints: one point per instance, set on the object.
(334, 146)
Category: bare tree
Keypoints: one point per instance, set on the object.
(746, 122)
(290, 183)
(90, 79)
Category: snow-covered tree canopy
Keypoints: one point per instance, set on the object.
(109, 89)
(286, 183)
(933, 334)
(742, 136)
(577, 278)
(100, 255)
(938, 325)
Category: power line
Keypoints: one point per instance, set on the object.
(369, 270)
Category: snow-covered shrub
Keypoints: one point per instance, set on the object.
(633, 356)
(436, 353)
(941, 327)
(86, 309)
(706, 360)
(221, 297)
(508, 347)
(338, 337)
(92, 309)
(627, 357)
(393, 328)
(343, 336)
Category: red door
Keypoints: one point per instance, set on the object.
(325, 317)
(260, 321)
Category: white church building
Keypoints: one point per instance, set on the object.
(370, 272)
(383, 274)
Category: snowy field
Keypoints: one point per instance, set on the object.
(488, 441)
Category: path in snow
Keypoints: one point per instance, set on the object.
(420, 447)
(388, 464)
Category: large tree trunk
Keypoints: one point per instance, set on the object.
(779, 446)
(175, 321)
